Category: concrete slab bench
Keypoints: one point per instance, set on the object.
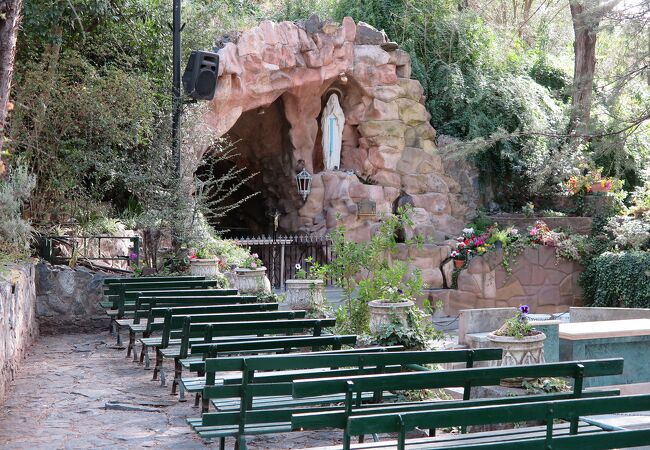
(628, 339)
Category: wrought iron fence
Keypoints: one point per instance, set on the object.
(281, 254)
(87, 248)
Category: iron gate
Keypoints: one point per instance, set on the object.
(281, 254)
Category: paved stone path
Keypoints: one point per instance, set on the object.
(66, 392)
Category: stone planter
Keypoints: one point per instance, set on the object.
(384, 313)
(519, 352)
(208, 268)
(304, 294)
(252, 281)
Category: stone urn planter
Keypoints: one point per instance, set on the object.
(252, 281)
(208, 268)
(519, 352)
(304, 294)
(383, 313)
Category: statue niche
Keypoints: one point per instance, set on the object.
(332, 122)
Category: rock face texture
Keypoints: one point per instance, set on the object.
(538, 279)
(387, 145)
(67, 300)
(18, 326)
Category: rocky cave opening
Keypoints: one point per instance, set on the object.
(262, 146)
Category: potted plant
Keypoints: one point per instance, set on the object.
(468, 245)
(251, 276)
(306, 290)
(521, 343)
(390, 294)
(204, 262)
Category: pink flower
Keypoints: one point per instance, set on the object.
(255, 255)
(253, 265)
(533, 232)
(608, 185)
(461, 245)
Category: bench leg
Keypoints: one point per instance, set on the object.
(222, 443)
(158, 365)
(197, 400)
(119, 336)
(110, 327)
(131, 346)
(375, 437)
(144, 353)
(362, 438)
(163, 378)
(177, 375)
(205, 404)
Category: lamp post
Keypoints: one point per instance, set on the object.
(177, 101)
(303, 182)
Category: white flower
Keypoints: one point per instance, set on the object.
(298, 267)
(514, 232)
(468, 230)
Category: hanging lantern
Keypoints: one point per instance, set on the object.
(303, 180)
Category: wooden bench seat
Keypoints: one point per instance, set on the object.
(546, 411)
(456, 440)
(465, 378)
(275, 376)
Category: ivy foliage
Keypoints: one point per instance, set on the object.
(474, 87)
(618, 280)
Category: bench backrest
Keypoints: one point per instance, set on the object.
(154, 311)
(547, 411)
(173, 322)
(260, 327)
(154, 307)
(488, 376)
(121, 288)
(129, 301)
(118, 280)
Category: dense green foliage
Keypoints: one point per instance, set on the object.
(618, 279)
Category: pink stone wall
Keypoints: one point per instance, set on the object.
(387, 136)
(538, 279)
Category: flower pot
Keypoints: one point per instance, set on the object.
(384, 313)
(519, 352)
(304, 294)
(252, 281)
(459, 263)
(208, 268)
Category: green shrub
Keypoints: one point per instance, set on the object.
(15, 232)
(618, 279)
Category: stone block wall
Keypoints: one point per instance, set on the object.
(538, 279)
(18, 326)
(428, 259)
(67, 300)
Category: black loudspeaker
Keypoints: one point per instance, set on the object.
(200, 76)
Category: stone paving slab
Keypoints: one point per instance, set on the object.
(60, 395)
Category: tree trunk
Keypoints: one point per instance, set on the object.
(9, 22)
(586, 16)
(584, 66)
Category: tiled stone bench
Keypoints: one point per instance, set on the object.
(628, 339)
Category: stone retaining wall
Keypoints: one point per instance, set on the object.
(538, 279)
(18, 326)
(67, 300)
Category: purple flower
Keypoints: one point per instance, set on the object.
(400, 292)
(524, 309)
(133, 256)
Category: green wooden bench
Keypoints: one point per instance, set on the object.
(557, 434)
(144, 303)
(352, 387)
(263, 403)
(198, 331)
(195, 384)
(154, 311)
(114, 291)
(117, 280)
(124, 304)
